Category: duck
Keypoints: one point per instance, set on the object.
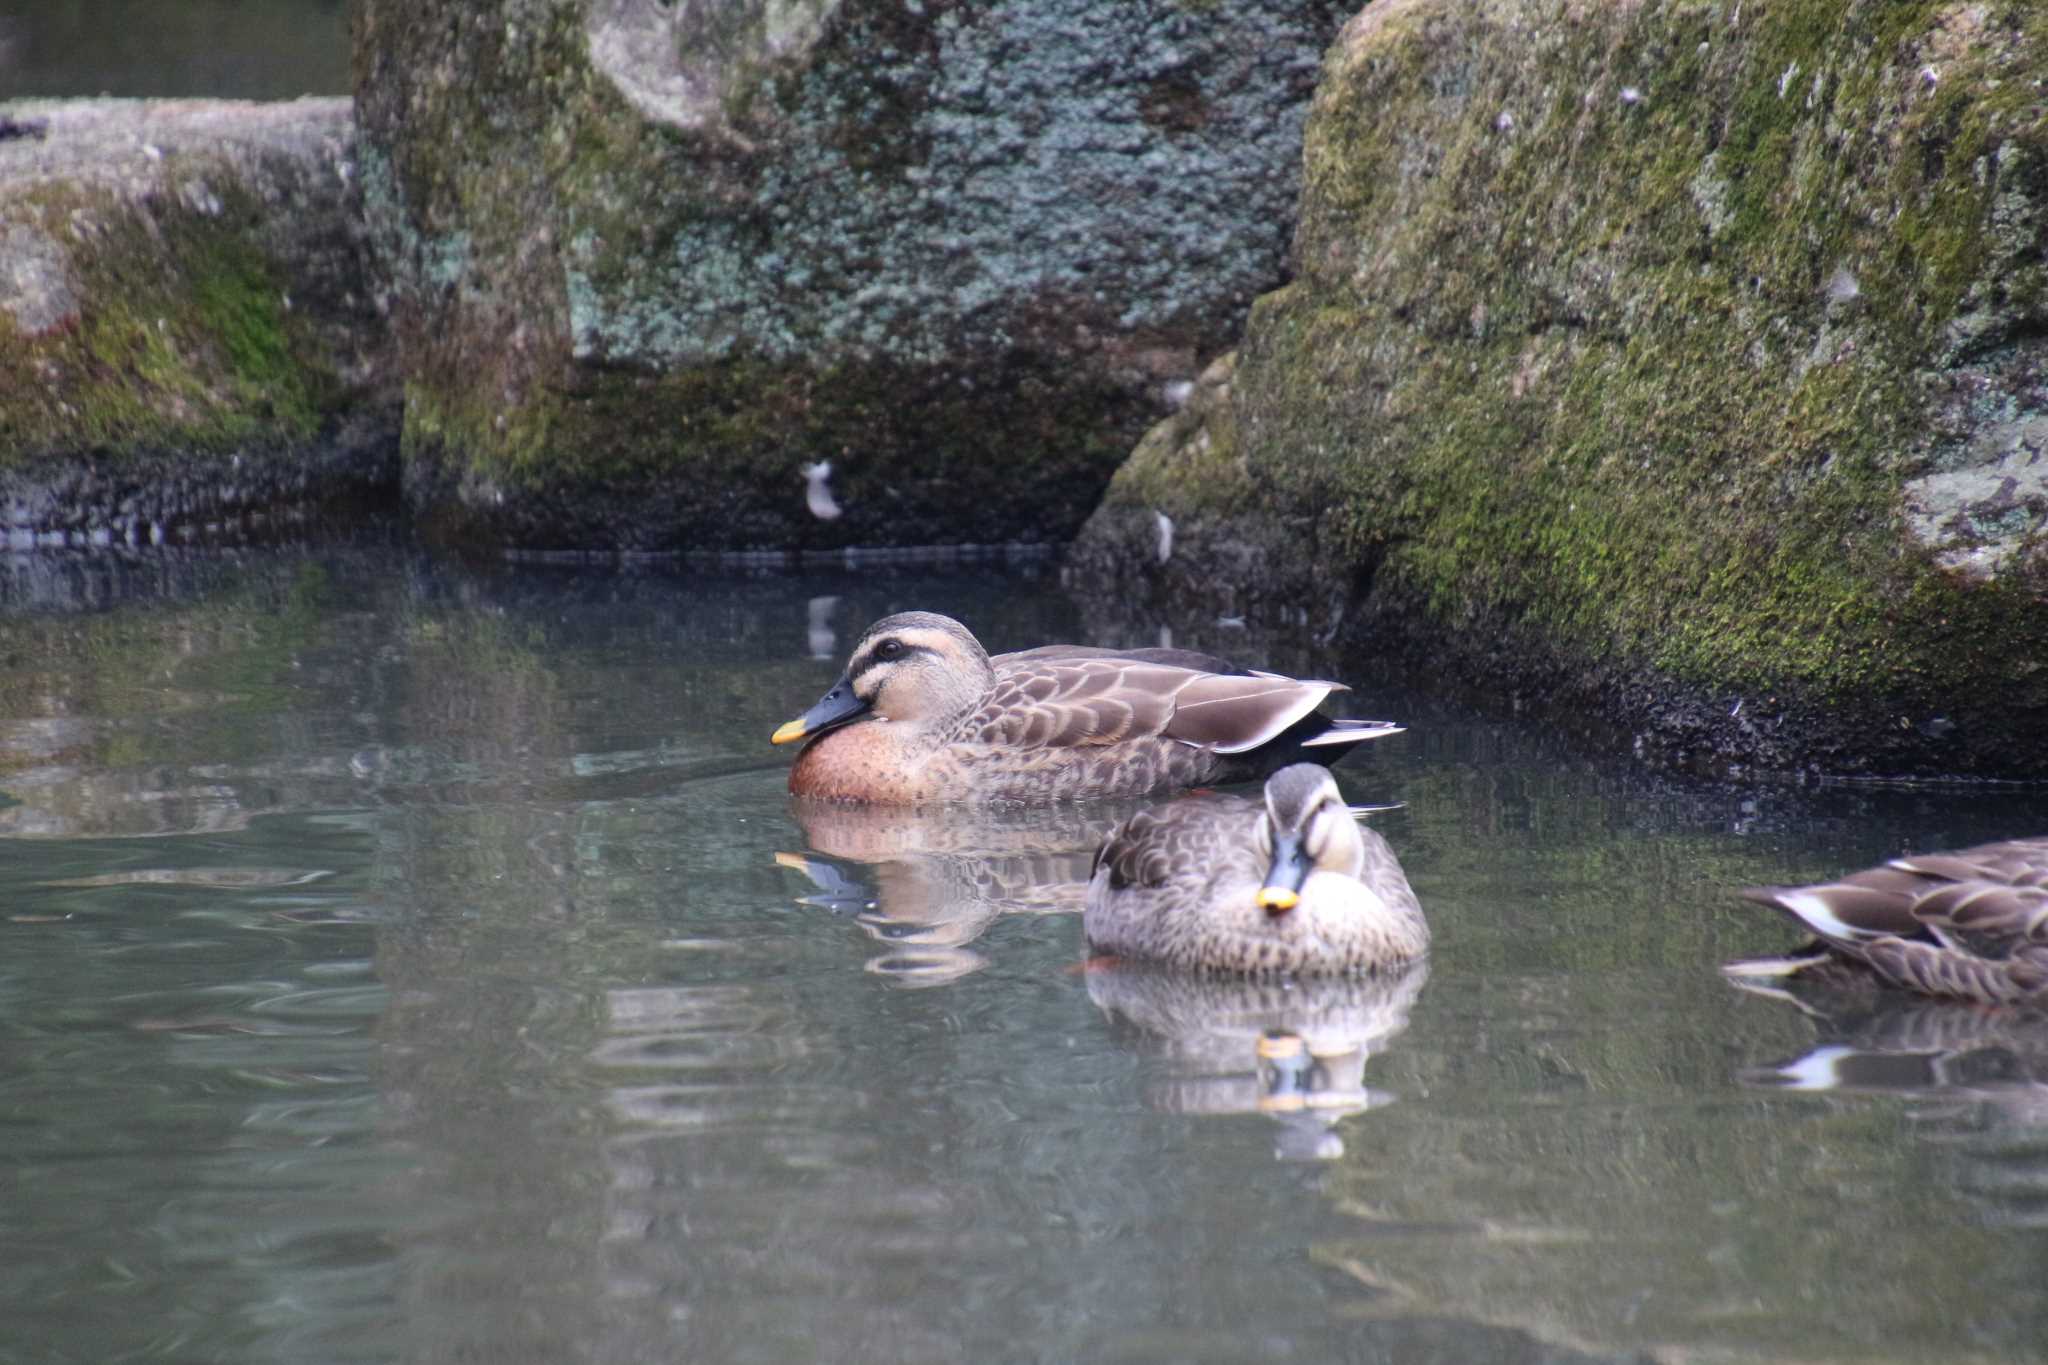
(924, 715)
(1288, 884)
(1969, 925)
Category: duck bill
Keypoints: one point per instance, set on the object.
(1284, 878)
(834, 709)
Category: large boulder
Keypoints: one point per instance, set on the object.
(187, 342)
(1681, 366)
(651, 261)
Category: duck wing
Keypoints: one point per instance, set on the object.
(2014, 862)
(1135, 853)
(1193, 659)
(1197, 836)
(1991, 918)
(1991, 899)
(1971, 924)
(1052, 702)
(1234, 713)
(1856, 909)
(1065, 696)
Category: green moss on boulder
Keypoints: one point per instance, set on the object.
(185, 328)
(650, 262)
(1685, 364)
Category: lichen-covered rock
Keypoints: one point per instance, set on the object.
(186, 337)
(650, 261)
(1683, 365)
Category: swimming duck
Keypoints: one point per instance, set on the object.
(1290, 883)
(1971, 925)
(923, 714)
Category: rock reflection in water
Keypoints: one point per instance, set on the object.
(930, 882)
(1978, 1077)
(1294, 1049)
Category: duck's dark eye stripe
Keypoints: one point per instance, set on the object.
(885, 651)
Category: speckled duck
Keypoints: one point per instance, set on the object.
(924, 714)
(1290, 883)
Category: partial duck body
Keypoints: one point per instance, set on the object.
(1967, 925)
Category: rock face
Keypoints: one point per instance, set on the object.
(186, 337)
(652, 261)
(1683, 366)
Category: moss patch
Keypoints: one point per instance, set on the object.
(1618, 329)
(182, 340)
(954, 249)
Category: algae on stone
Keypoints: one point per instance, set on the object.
(646, 270)
(1624, 338)
(186, 330)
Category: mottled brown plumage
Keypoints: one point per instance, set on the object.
(1287, 884)
(923, 714)
(1971, 925)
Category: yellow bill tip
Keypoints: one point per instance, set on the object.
(796, 861)
(1277, 898)
(790, 733)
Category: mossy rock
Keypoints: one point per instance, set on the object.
(651, 262)
(187, 338)
(1678, 366)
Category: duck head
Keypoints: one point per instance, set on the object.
(915, 667)
(1310, 830)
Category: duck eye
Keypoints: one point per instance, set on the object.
(889, 649)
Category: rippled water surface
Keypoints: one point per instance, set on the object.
(400, 962)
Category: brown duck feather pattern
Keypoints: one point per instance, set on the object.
(1106, 701)
(1971, 924)
(1055, 722)
(1177, 884)
(1212, 835)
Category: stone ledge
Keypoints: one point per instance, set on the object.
(190, 333)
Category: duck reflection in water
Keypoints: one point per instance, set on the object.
(1875, 1041)
(929, 882)
(1294, 1049)
(1975, 1078)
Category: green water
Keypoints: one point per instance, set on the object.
(396, 964)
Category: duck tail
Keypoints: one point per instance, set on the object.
(1777, 968)
(1345, 733)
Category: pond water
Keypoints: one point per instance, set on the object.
(408, 962)
(216, 49)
